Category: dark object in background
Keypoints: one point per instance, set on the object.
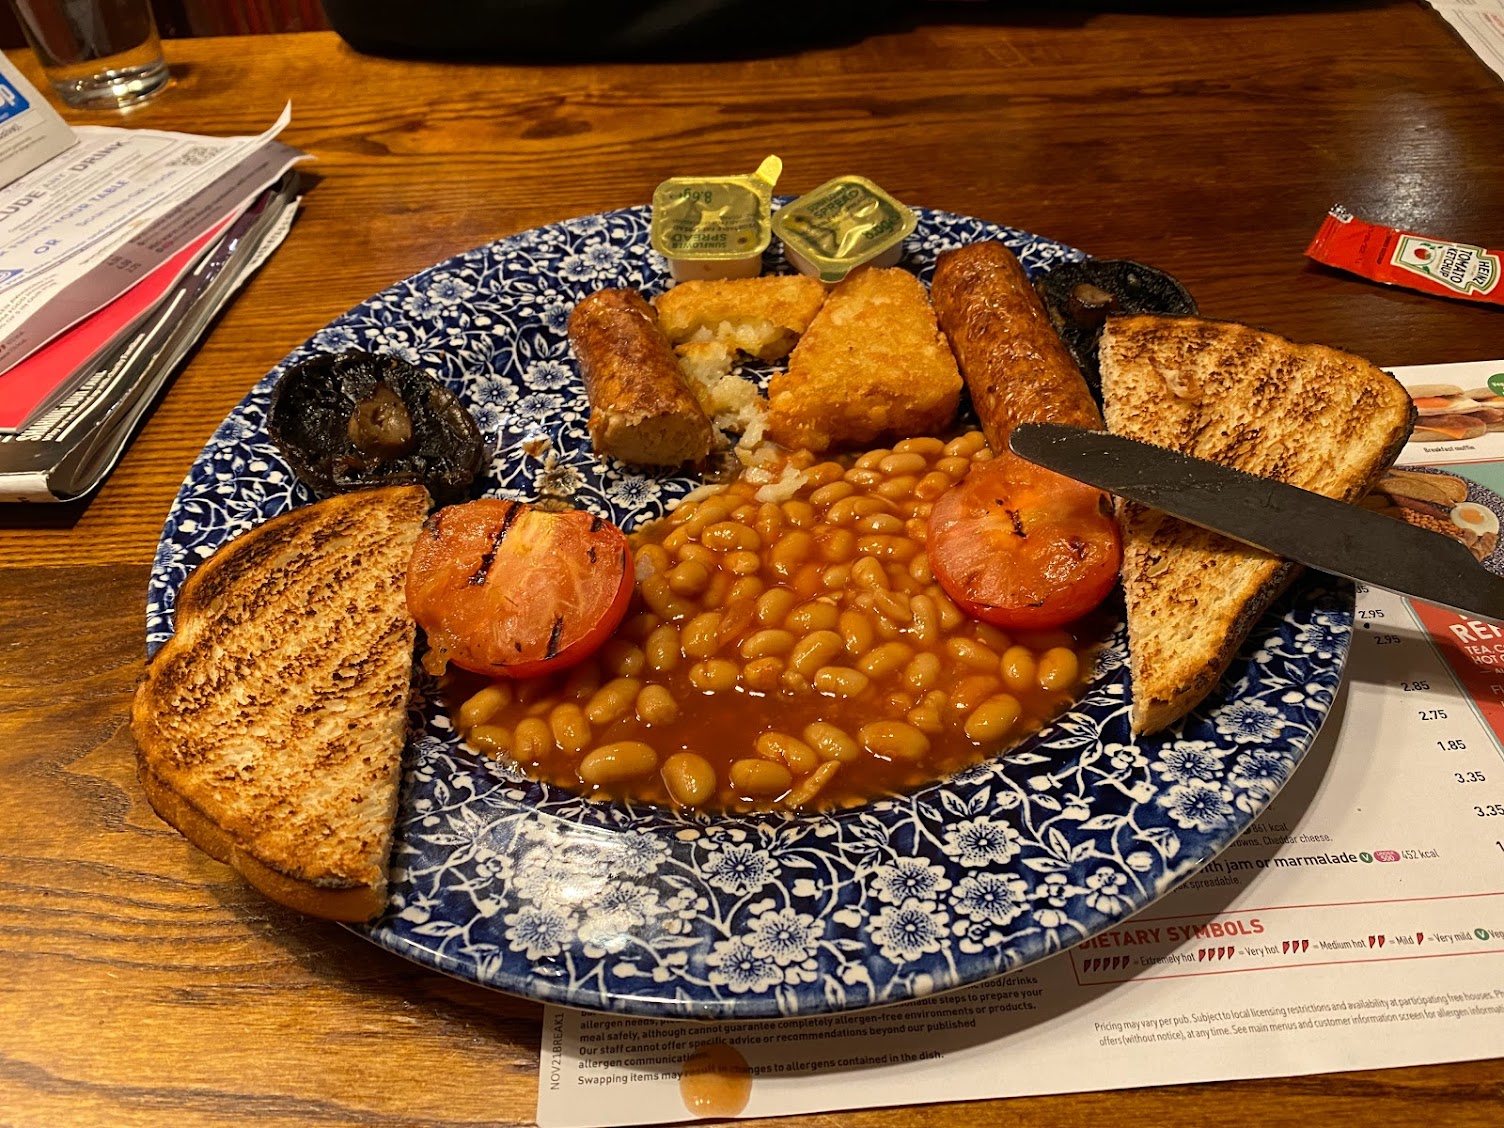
(1080, 296)
(541, 31)
(357, 419)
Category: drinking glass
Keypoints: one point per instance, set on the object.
(98, 54)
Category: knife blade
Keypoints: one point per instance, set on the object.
(1306, 527)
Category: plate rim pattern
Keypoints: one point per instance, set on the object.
(529, 889)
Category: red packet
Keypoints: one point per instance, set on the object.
(29, 386)
(1403, 258)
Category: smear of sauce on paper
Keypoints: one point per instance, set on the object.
(715, 1081)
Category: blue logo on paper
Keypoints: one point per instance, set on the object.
(12, 101)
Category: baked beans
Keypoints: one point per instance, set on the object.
(793, 654)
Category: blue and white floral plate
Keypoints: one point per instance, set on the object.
(524, 887)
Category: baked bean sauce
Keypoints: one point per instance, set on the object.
(793, 654)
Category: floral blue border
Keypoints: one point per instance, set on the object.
(526, 888)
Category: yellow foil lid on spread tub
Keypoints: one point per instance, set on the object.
(843, 224)
(715, 226)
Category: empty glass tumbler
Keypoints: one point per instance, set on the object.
(98, 54)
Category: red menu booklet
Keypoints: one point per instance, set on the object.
(48, 374)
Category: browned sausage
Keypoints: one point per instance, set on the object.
(640, 409)
(1013, 361)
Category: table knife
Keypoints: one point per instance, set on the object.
(1297, 524)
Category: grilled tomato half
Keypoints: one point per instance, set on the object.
(1023, 547)
(510, 590)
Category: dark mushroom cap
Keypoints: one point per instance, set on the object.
(355, 420)
(1079, 296)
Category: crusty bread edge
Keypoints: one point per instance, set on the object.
(351, 903)
(1154, 715)
(187, 601)
(1149, 717)
(1392, 452)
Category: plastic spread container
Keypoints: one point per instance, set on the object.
(843, 224)
(715, 226)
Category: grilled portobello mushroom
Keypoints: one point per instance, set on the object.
(355, 420)
(1080, 296)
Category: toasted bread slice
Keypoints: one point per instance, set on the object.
(1307, 415)
(270, 727)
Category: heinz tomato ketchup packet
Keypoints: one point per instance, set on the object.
(1404, 258)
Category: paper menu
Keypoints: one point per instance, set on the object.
(83, 228)
(74, 441)
(1480, 23)
(34, 383)
(1358, 924)
(31, 131)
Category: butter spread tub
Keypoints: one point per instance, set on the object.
(715, 226)
(843, 224)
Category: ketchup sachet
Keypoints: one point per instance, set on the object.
(1404, 258)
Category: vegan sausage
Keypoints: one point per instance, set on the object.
(641, 411)
(1014, 363)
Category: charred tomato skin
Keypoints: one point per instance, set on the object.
(1021, 547)
(507, 589)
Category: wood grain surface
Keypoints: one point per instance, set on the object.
(142, 983)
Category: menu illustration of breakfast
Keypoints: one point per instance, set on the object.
(1358, 924)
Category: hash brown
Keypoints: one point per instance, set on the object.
(761, 317)
(873, 363)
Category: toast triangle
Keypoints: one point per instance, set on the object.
(270, 727)
(1307, 415)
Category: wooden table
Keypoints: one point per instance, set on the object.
(141, 983)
